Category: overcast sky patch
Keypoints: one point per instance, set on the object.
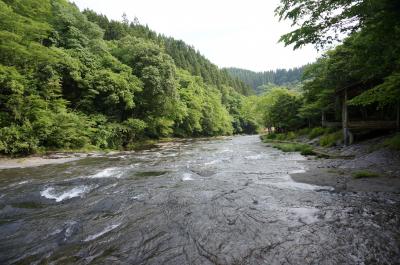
(230, 33)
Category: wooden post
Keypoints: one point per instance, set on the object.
(323, 119)
(345, 119)
(398, 116)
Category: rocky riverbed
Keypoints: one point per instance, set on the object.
(220, 201)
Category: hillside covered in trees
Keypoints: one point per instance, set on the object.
(264, 81)
(73, 80)
(184, 55)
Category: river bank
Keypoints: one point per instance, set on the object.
(60, 157)
(370, 167)
(32, 161)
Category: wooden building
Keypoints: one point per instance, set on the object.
(355, 119)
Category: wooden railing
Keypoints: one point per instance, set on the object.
(372, 125)
(358, 125)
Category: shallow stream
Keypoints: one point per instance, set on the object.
(226, 201)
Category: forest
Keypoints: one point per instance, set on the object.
(261, 82)
(73, 80)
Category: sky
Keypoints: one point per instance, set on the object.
(230, 33)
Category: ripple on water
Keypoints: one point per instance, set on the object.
(212, 162)
(60, 195)
(296, 171)
(217, 161)
(138, 197)
(254, 157)
(187, 176)
(226, 151)
(111, 172)
(104, 231)
(305, 215)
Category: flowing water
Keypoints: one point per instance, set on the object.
(226, 201)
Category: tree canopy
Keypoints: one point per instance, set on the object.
(324, 22)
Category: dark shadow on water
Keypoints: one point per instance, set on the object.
(145, 174)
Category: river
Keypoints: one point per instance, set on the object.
(220, 201)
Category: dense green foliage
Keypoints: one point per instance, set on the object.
(73, 80)
(324, 22)
(264, 81)
(367, 61)
(278, 109)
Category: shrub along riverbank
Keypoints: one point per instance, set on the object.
(327, 136)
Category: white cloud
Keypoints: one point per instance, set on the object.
(235, 33)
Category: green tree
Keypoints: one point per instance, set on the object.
(324, 22)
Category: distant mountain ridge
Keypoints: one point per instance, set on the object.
(260, 81)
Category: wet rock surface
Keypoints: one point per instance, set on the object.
(226, 201)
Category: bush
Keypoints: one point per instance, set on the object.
(304, 131)
(278, 136)
(365, 174)
(394, 142)
(304, 149)
(315, 132)
(159, 127)
(307, 151)
(68, 131)
(281, 137)
(16, 139)
(269, 136)
(286, 147)
(291, 136)
(131, 130)
(329, 140)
